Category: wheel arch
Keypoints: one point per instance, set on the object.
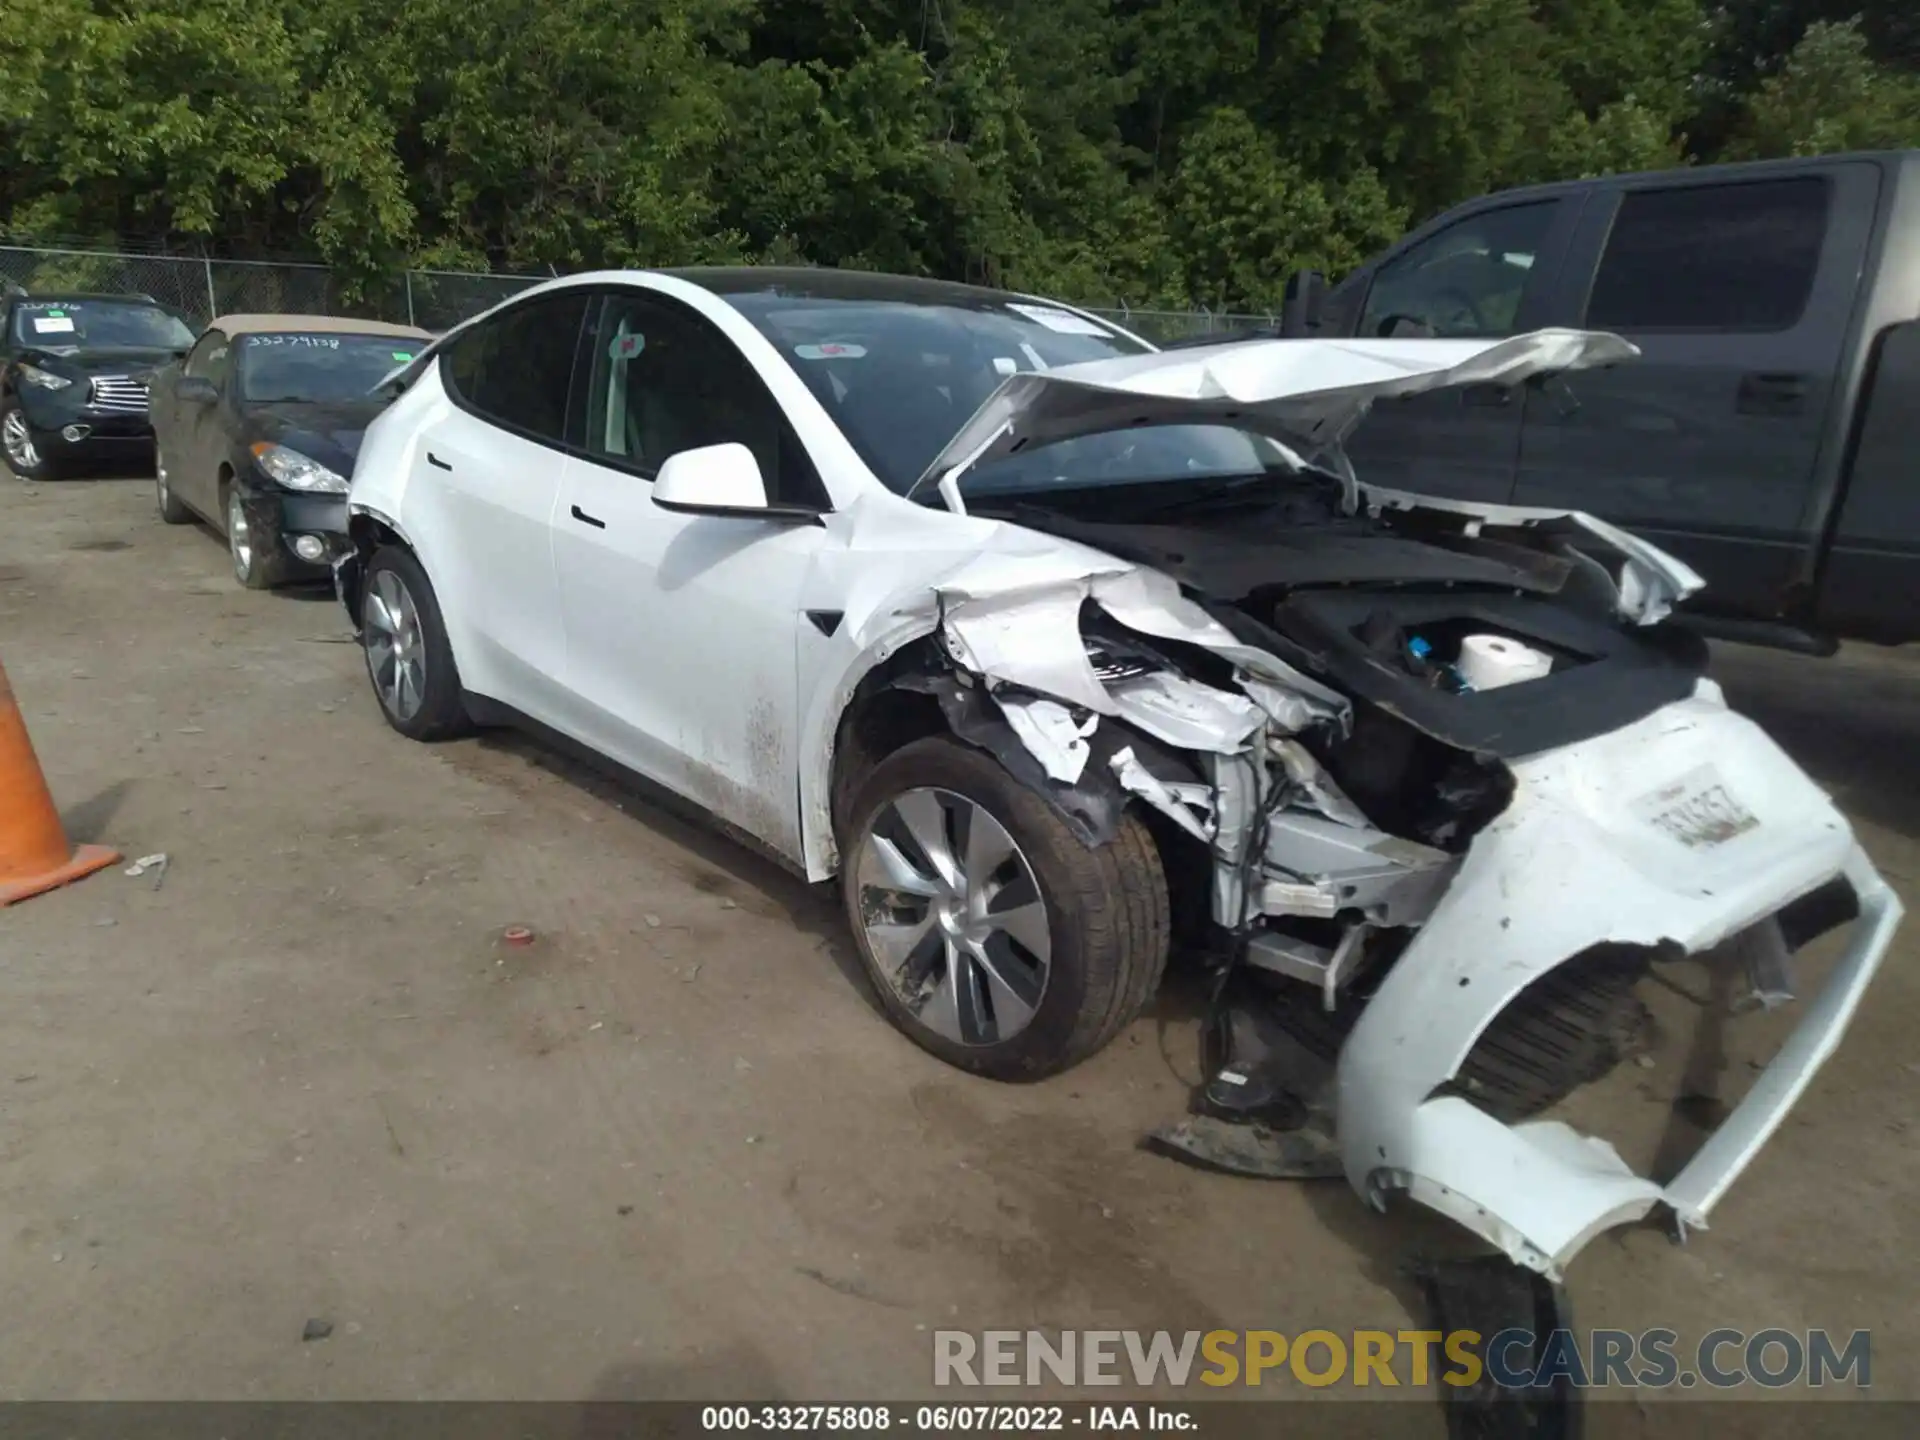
(915, 693)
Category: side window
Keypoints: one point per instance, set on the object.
(665, 379)
(1712, 257)
(1466, 281)
(209, 359)
(517, 369)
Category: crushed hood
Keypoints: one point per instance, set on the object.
(1307, 394)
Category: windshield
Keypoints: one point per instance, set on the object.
(98, 324)
(319, 368)
(902, 377)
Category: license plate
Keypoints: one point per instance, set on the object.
(1698, 810)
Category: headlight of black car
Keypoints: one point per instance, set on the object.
(296, 471)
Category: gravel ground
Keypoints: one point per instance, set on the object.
(671, 1149)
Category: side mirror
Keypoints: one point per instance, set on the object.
(721, 480)
(1301, 305)
(196, 389)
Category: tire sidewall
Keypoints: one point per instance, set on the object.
(442, 709)
(948, 764)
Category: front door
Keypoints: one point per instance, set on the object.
(682, 630)
(1481, 277)
(1740, 295)
(195, 437)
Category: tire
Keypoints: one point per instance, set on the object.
(18, 441)
(255, 554)
(171, 510)
(1106, 928)
(396, 587)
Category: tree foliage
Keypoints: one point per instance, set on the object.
(1148, 151)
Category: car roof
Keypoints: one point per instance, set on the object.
(74, 297)
(823, 283)
(322, 324)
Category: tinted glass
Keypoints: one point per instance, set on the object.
(1465, 281)
(1711, 257)
(70, 324)
(517, 368)
(664, 380)
(901, 377)
(319, 368)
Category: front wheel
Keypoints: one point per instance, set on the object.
(409, 659)
(24, 456)
(993, 936)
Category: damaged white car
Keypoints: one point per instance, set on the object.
(1062, 653)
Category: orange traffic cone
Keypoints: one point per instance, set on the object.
(34, 854)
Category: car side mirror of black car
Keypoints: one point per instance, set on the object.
(196, 389)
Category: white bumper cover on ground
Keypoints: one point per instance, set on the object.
(1684, 828)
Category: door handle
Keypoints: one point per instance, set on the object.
(585, 519)
(1492, 397)
(1772, 394)
(437, 463)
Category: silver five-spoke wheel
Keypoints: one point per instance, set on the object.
(396, 654)
(22, 454)
(953, 916)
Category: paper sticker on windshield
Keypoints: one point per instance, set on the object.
(52, 324)
(625, 347)
(401, 355)
(1005, 365)
(1063, 322)
(833, 350)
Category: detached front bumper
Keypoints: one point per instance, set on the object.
(1686, 828)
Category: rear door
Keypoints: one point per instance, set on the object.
(1740, 293)
(1486, 274)
(479, 502)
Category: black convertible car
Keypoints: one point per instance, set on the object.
(256, 430)
(73, 387)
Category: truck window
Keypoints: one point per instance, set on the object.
(1464, 281)
(1712, 257)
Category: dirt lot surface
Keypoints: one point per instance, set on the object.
(671, 1149)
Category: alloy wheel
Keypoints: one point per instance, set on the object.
(239, 537)
(953, 916)
(22, 454)
(396, 651)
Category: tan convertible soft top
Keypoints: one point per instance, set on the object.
(311, 324)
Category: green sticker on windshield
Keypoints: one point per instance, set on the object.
(401, 356)
(56, 314)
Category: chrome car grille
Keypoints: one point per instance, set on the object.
(119, 394)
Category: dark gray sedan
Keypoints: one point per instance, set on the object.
(256, 429)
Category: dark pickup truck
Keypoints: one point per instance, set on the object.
(1769, 435)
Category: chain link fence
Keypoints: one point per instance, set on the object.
(201, 289)
(435, 300)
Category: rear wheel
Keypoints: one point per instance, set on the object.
(409, 659)
(171, 510)
(993, 936)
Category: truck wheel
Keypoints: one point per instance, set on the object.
(993, 936)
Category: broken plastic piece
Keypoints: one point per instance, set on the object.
(1252, 1150)
(1048, 730)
